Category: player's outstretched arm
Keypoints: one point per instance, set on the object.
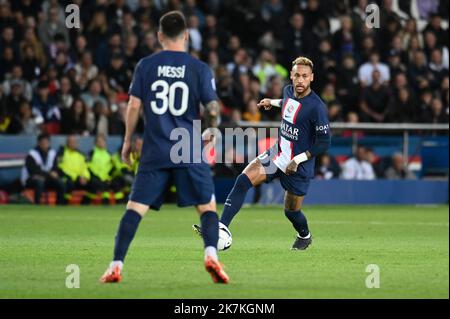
(268, 103)
(132, 117)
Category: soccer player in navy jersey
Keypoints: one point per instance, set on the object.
(169, 86)
(304, 133)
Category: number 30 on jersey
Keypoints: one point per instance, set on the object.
(166, 93)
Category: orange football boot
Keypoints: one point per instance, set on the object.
(112, 275)
(215, 269)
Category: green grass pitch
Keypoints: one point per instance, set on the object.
(410, 244)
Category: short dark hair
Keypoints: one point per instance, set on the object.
(43, 136)
(172, 24)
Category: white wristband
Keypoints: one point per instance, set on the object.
(300, 158)
(276, 103)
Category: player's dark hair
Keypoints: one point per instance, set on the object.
(172, 24)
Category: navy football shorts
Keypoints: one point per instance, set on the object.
(295, 184)
(194, 186)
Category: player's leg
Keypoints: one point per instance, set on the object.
(195, 187)
(253, 175)
(141, 198)
(128, 226)
(292, 209)
(210, 226)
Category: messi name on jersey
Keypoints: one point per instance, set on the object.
(288, 131)
(171, 71)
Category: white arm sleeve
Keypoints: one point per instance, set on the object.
(276, 103)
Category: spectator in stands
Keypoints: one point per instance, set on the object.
(131, 54)
(395, 63)
(274, 91)
(326, 167)
(195, 37)
(78, 119)
(358, 167)
(435, 113)
(44, 106)
(366, 70)
(402, 108)
(15, 98)
(418, 72)
(347, 89)
(8, 40)
(65, 95)
(375, 161)
(31, 65)
(267, 67)
(397, 169)
(435, 26)
(345, 41)
(118, 74)
(94, 94)
(40, 172)
(328, 93)
(335, 111)
(438, 70)
(252, 113)
(17, 76)
(375, 100)
(297, 41)
(24, 122)
(326, 65)
(424, 103)
(86, 70)
(128, 29)
(51, 27)
(7, 60)
(410, 31)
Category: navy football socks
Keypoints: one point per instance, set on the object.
(235, 199)
(299, 222)
(210, 228)
(125, 234)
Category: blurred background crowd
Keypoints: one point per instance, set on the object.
(61, 81)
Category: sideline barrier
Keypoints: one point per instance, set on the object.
(351, 192)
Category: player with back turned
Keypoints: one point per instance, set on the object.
(169, 86)
(304, 133)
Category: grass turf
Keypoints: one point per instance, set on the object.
(409, 244)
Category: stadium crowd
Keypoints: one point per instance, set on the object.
(74, 81)
(56, 79)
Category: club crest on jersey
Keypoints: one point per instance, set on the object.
(290, 108)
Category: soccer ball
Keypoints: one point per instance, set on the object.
(225, 238)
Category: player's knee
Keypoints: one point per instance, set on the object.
(139, 208)
(209, 207)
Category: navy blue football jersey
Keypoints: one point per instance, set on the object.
(302, 121)
(171, 86)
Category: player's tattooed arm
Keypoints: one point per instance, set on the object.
(132, 117)
(212, 113)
